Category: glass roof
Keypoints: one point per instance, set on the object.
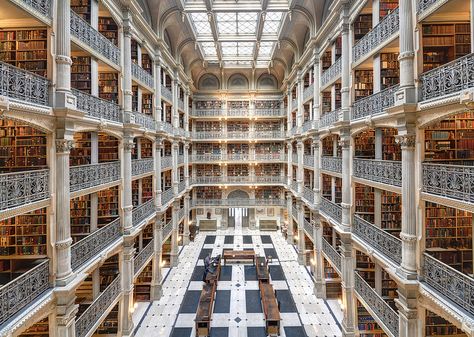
(233, 33)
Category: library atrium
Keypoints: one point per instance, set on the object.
(236, 168)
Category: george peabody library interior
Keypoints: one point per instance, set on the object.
(236, 168)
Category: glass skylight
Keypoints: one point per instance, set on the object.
(209, 48)
(201, 24)
(272, 22)
(230, 49)
(265, 50)
(237, 23)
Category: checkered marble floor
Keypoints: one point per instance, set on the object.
(237, 307)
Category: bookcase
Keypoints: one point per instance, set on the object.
(264, 104)
(109, 325)
(135, 98)
(269, 148)
(451, 140)
(108, 86)
(238, 126)
(22, 147)
(389, 289)
(364, 202)
(438, 326)
(26, 49)
(208, 105)
(146, 148)
(238, 170)
(166, 180)
(81, 152)
(326, 59)
(238, 104)
(268, 192)
(362, 25)
(364, 144)
(109, 29)
(147, 188)
(267, 126)
(444, 42)
(386, 7)
(391, 207)
(337, 98)
(366, 324)
(208, 126)
(390, 149)
(208, 170)
(327, 146)
(80, 217)
(327, 232)
(39, 329)
(82, 8)
(273, 170)
(81, 73)
(326, 102)
(327, 190)
(135, 192)
(338, 190)
(333, 281)
(449, 236)
(134, 50)
(364, 83)
(390, 70)
(237, 148)
(207, 148)
(338, 45)
(147, 64)
(208, 192)
(108, 271)
(143, 284)
(108, 205)
(108, 148)
(365, 267)
(147, 104)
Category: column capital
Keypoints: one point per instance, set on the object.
(64, 145)
(344, 143)
(406, 141)
(128, 144)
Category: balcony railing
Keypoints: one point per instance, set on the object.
(89, 317)
(166, 93)
(381, 33)
(294, 212)
(87, 176)
(180, 159)
(294, 158)
(22, 188)
(141, 166)
(97, 107)
(238, 135)
(238, 179)
(166, 162)
(424, 5)
(294, 185)
(238, 112)
(449, 78)
(328, 119)
(20, 292)
(209, 113)
(308, 92)
(269, 112)
(23, 85)
(181, 105)
(269, 157)
(181, 186)
(331, 209)
(294, 104)
(375, 104)
(142, 75)
(452, 284)
(387, 316)
(167, 127)
(238, 202)
(308, 160)
(167, 229)
(41, 6)
(199, 158)
(333, 255)
(267, 134)
(144, 120)
(332, 73)
(90, 37)
(309, 125)
(142, 212)
(387, 244)
(381, 171)
(91, 246)
(142, 257)
(449, 181)
(308, 194)
(331, 164)
(166, 196)
(180, 213)
(308, 227)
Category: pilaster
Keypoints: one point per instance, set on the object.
(158, 187)
(156, 286)
(300, 175)
(317, 172)
(301, 235)
(345, 142)
(289, 208)
(186, 164)
(174, 235)
(126, 305)
(186, 219)
(127, 204)
(319, 278)
(127, 67)
(348, 296)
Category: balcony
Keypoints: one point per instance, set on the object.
(143, 257)
(142, 166)
(328, 119)
(332, 73)
(167, 94)
(238, 202)
(181, 105)
(23, 188)
(90, 38)
(384, 314)
(181, 186)
(272, 134)
(92, 245)
(449, 79)
(331, 210)
(146, 121)
(22, 85)
(167, 196)
(167, 127)
(237, 157)
(309, 125)
(308, 194)
(280, 157)
(142, 76)
(425, 7)
(166, 162)
(308, 160)
(308, 92)
(449, 283)
(237, 112)
(42, 7)
(97, 107)
(203, 158)
(167, 229)
(332, 255)
(390, 246)
(101, 305)
(449, 181)
(294, 186)
(209, 113)
(294, 212)
(269, 112)
(380, 171)
(331, 164)
(377, 37)
(143, 212)
(204, 180)
(180, 214)
(203, 135)
(375, 104)
(88, 176)
(308, 227)
(19, 293)
(180, 159)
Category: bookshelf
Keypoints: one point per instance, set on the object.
(238, 104)
(273, 170)
(147, 234)
(386, 7)
(451, 140)
(26, 49)
(444, 42)
(364, 83)
(326, 59)
(327, 232)
(143, 284)
(208, 192)
(270, 192)
(364, 202)
(108, 86)
(146, 148)
(449, 236)
(135, 192)
(269, 148)
(326, 102)
(365, 267)
(362, 25)
(166, 252)
(81, 73)
(108, 271)
(238, 126)
(338, 190)
(437, 326)
(208, 170)
(135, 98)
(390, 70)
(364, 144)
(82, 8)
(109, 29)
(338, 45)
(391, 209)
(134, 50)
(390, 149)
(108, 205)
(109, 325)
(237, 148)
(389, 289)
(208, 126)
(208, 105)
(337, 98)
(333, 282)
(22, 148)
(147, 188)
(147, 104)
(238, 170)
(80, 217)
(267, 126)
(108, 148)
(327, 146)
(81, 152)
(264, 104)
(327, 190)
(147, 63)
(366, 324)
(207, 148)
(39, 329)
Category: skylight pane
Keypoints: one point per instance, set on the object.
(209, 48)
(201, 24)
(265, 49)
(245, 48)
(229, 49)
(272, 22)
(247, 23)
(227, 23)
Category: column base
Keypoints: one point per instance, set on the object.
(405, 95)
(174, 260)
(319, 289)
(156, 291)
(301, 258)
(346, 332)
(65, 100)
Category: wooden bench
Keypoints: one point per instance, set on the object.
(239, 255)
(204, 310)
(262, 270)
(213, 275)
(270, 309)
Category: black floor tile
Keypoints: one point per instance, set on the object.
(256, 332)
(198, 273)
(190, 302)
(266, 238)
(226, 273)
(252, 301)
(271, 252)
(276, 273)
(295, 331)
(219, 332)
(204, 253)
(287, 304)
(181, 332)
(247, 239)
(222, 303)
(229, 239)
(250, 273)
(210, 239)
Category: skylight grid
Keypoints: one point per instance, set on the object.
(201, 24)
(265, 49)
(272, 22)
(209, 48)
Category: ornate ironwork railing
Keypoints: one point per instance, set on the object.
(308, 227)
(449, 78)
(142, 256)
(207, 157)
(267, 134)
(41, 6)
(424, 5)
(238, 179)
(331, 209)
(166, 162)
(328, 119)
(332, 164)
(294, 185)
(181, 105)
(382, 171)
(91, 175)
(21, 291)
(142, 212)
(144, 120)
(90, 246)
(180, 159)
(181, 186)
(208, 113)
(180, 213)
(382, 241)
(294, 212)
(332, 254)
(166, 196)
(309, 125)
(450, 181)
(98, 107)
(166, 127)
(238, 202)
(308, 160)
(91, 315)
(142, 75)
(275, 112)
(167, 229)
(166, 93)
(384, 312)
(308, 92)
(238, 112)
(23, 188)
(270, 156)
(85, 33)
(374, 104)
(23, 85)
(141, 166)
(332, 73)
(449, 282)
(385, 29)
(308, 194)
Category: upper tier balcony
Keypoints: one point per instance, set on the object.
(332, 255)
(167, 229)
(308, 92)
(386, 30)
(142, 76)
(167, 94)
(379, 171)
(375, 104)
(143, 212)
(332, 73)
(89, 176)
(141, 259)
(166, 162)
(331, 210)
(97, 107)
(238, 202)
(331, 164)
(310, 125)
(181, 105)
(144, 120)
(142, 166)
(426, 7)
(238, 180)
(308, 227)
(167, 196)
(35, 7)
(308, 194)
(217, 135)
(328, 119)
(308, 160)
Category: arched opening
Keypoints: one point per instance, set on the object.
(238, 217)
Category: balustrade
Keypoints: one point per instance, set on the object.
(237, 179)
(308, 160)
(333, 255)
(308, 194)
(142, 75)
(375, 104)
(39, 6)
(144, 120)
(97, 107)
(238, 202)
(209, 113)
(308, 227)
(166, 162)
(91, 175)
(180, 159)
(166, 93)
(331, 209)
(180, 213)
(328, 119)
(308, 92)
(181, 186)
(332, 73)
(142, 212)
(331, 164)
(294, 186)
(167, 196)
(237, 112)
(167, 127)
(382, 171)
(198, 158)
(167, 229)
(141, 166)
(294, 212)
(270, 157)
(181, 105)
(269, 112)
(142, 257)
(424, 5)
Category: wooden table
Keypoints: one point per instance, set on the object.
(262, 269)
(239, 255)
(213, 277)
(270, 309)
(204, 310)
